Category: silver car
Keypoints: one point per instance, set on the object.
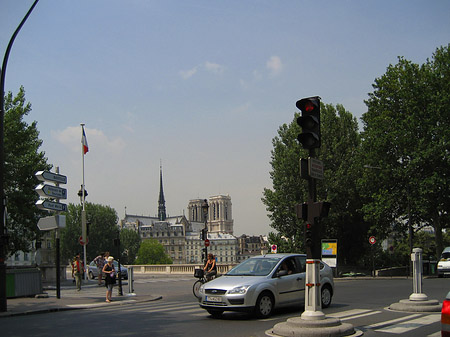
(263, 283)
(93, 270)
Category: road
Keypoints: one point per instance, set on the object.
(362, 303)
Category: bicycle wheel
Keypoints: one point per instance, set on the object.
(196, 288)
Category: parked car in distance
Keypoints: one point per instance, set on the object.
(443, 267)
(263, 283)
(93, 270)
(445, 317)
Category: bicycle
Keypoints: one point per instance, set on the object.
(200, 274)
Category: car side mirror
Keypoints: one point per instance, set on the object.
(282, 273)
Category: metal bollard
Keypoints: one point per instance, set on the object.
(130, 280)
(416, 258)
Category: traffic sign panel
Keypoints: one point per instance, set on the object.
(315, 168)
(51, 205)
(50, 176)
(372, 240)
(80, 240)
(52, 222)
(206, 243)
(51, 191)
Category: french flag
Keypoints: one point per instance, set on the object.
(85, 143)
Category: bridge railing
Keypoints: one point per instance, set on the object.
(175, 268)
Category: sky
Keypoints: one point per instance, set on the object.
(199, 86)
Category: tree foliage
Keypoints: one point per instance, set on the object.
(339, 153)
(130, 242)
(22, 160)
(152, 252)
(406, 135)
(102, 231)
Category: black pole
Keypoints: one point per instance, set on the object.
(58, 269)
(119, 273)
(3, 232)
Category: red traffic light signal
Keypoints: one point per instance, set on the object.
(309, 121)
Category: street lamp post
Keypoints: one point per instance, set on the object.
(205, 208)
(3, 233)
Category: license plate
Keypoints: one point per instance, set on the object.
(213, 298)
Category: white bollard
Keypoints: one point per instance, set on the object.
(416, 258)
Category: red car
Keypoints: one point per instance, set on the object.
(445, 317)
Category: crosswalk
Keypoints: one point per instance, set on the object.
(397, 326)
(401, 325)
(160, 280)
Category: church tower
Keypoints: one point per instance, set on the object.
(162, 202)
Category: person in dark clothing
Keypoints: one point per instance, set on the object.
(110, 277)
(210, 267)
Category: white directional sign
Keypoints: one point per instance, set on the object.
(50, 176)
(52, 222)
(51, 191)
(51, 205)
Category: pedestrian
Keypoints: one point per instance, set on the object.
(210, 267)
(78, 270)
(110, 277)
(100, 263)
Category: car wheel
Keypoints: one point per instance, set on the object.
(325, 296)
(91, 275)
(215, 313)
(264, 305)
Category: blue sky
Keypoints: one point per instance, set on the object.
(200, 85)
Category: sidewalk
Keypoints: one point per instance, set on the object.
(91, 296)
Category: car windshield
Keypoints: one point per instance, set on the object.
(445, 256)
(254, 267)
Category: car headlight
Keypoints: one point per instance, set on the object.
(201, 289)
(239, 290)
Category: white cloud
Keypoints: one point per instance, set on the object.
(210, 67)
(70, 138)
(185, 74)
(274, 65)
(214, 67)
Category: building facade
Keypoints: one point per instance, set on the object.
(181, 236)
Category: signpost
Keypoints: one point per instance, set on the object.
(50, 202)
(48, 205)
(51, 191)
(50, 176)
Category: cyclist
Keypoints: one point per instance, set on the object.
(210, 267)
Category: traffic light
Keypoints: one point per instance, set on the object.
(302, 211)
(309, 121)
(204, 234)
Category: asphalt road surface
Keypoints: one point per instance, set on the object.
(362, 303)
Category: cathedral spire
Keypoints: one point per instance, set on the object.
(162, 202)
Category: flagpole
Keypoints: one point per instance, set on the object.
(83, 210)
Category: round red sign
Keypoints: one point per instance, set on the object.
(372, 240)
(206, 243)
(80, 240)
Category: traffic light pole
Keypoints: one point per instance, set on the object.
(313, 304)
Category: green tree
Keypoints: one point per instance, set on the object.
(130, 242)
(22, 160)
(102, 231)
(152, 252)
(406, 136)
(339, 153)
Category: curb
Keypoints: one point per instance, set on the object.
(77, 307)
